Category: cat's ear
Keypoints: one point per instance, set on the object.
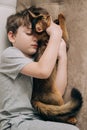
(32, 15)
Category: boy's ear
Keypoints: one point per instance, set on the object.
(11, 37)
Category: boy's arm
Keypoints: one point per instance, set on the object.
(43, 68)
(61, 78)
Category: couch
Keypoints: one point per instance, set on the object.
(76, 18)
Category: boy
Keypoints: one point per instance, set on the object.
(17, 69)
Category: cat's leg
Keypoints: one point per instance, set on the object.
(62, 23)
(59, 99)
(57, 96)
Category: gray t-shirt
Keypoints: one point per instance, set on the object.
(16, 111)
(15, 88)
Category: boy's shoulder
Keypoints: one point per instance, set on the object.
(11, 52)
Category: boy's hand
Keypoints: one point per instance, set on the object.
(54, 30)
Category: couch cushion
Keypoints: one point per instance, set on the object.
(11, 3)
(7, 7)
(52, 7)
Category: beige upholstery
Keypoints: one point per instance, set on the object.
(76, 16)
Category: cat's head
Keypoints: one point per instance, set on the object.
(40, 19)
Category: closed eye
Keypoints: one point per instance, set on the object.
(30, 33)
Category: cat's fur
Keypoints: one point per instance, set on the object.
(46, 98)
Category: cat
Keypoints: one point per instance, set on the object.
(46, 99)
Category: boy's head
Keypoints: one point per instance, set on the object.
(16, 20)
(19, 31)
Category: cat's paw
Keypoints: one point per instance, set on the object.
(61, 16)
(72, 120)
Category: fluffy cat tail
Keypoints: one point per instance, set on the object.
(54, 112)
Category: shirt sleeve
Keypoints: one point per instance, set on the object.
(12, 61)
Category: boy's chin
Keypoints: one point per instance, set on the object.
(33, 53)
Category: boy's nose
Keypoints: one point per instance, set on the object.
(35, 38)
